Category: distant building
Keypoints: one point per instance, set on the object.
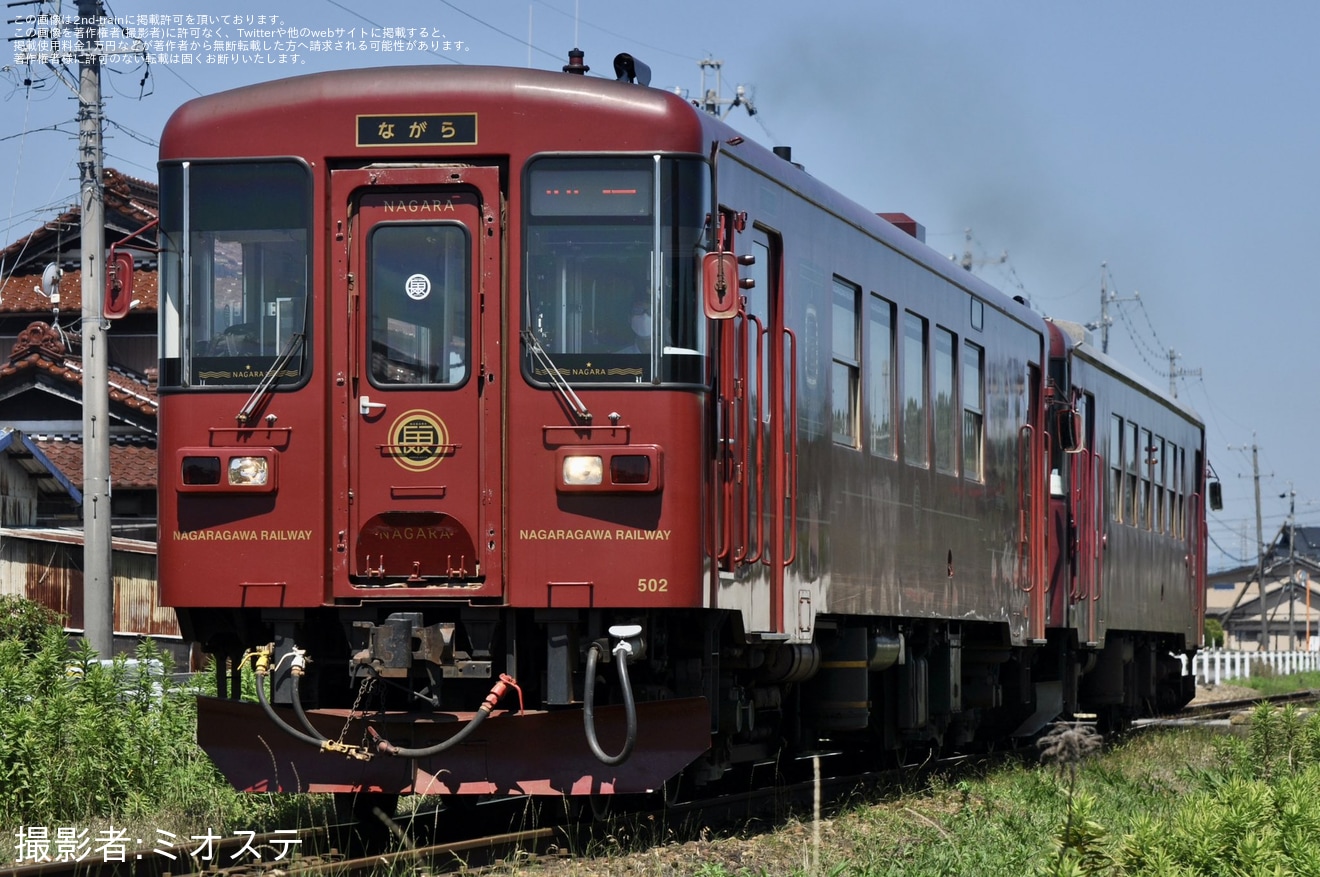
(1291, 600)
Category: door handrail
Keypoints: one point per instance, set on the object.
(790, 487)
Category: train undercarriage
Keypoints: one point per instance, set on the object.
(491, 701)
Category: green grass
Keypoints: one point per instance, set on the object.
(1271, 685)
(1185, 803)
(87, 745)
(90, 745)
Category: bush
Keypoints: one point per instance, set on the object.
(83, 740)
(26, 621)
(1255, 814)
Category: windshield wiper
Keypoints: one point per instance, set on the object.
(269, 378)
(556, 377)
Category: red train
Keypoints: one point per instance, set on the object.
(540, 434)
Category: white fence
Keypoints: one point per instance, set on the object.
(1213, 666)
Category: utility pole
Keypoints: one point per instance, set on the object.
(712, 99)
(1292, 564)
(98, 580)
(1260, 556)
(1175, 373)
(1107, 296)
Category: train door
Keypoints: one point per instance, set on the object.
(1034, 507)
(422, 255)
(1193, 519)
(1077, 476)
(759, 398)
(1088, 487)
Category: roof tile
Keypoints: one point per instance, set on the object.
(132, 463)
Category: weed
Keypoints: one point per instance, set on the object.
(1080, 840)
(85, 742)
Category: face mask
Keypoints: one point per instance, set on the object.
(641, 325)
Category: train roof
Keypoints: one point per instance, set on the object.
(796, 178)
(566, 110)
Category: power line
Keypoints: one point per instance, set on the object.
(1225, 552)
(519, 40)
(361, 17)
(631, 40)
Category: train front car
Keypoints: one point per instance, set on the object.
(530, 433)
(434, 360)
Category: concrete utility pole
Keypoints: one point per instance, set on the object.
(1292, 564)
(712, 99)
(1107, 296)
(1260, 554)
(98, 580)
(1175, 372)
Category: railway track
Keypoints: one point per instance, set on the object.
(314, 851)
(1214, 711)
(1246, 703)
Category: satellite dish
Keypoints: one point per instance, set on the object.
(50, 281)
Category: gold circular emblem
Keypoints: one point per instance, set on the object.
(419, 440)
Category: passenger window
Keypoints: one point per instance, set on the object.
(1147, 469)
(880, 377)
(846, 370)
(915, 451)
(1116, 504)
(946, 439)
(1132, 510)
(973, 400)
(1160, 474)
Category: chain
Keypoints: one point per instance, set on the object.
(364, 689)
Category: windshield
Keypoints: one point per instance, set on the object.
(612, 249)
(234, 272)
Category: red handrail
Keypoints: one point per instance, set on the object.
(790, 489)
(1024, 496)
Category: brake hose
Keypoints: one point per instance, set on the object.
(621, 652)
(506, 682)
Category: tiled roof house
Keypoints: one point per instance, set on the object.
(41, 415)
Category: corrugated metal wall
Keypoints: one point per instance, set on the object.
(46, 566)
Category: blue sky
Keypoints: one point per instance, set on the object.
(1174, 143)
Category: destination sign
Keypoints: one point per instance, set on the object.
(425, 129)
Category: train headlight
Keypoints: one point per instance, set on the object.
(581, 470)
(619, 469)
(249, 471)
(233, 471)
